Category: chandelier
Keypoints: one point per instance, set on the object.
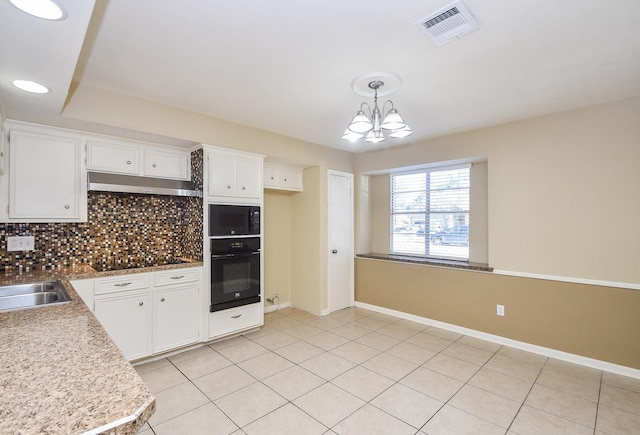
(370, 124)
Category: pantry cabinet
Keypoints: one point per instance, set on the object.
(150, 313)
(133, 158)
(234, 174)
(46, 178)
(282, 177)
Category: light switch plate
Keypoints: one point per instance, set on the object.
(20, 243)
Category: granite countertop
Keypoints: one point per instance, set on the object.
(454, 264)
(61, 373)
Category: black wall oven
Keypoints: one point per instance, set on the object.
(235, 272)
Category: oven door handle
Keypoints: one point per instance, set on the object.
(243, 255)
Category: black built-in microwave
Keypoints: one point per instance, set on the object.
(234, 220)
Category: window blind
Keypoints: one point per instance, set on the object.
(430, 212)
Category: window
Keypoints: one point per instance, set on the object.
(430, 213)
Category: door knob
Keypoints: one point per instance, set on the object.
(334, 251)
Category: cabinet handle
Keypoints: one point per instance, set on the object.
(177, 277)
(228, 187)
(128, 162)
(124, 284)
(162, 300)
(153, 166)
(141, 303)
(237, 316)
(66, 206)
(285, 179)
(243, 187)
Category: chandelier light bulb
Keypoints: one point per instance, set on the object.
(393, 120)
(361, 123)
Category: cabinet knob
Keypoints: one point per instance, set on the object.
(285, 179)
(228, 187)
(141, 303)
(162, 300)
(66, 206)
(128, 162)
(243, 188)
(154, 165)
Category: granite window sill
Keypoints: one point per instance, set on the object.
(482, 267)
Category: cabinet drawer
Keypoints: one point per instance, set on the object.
(122, 283)
(177, 276)
(234, 320)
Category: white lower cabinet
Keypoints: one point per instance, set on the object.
(127, 320)
(150, 313)
(176, 318)
(234, 320)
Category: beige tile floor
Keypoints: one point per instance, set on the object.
(361, 372)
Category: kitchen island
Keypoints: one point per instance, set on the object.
(61, 373)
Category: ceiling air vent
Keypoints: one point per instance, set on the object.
(448, 23)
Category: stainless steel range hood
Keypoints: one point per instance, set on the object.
(101, 182)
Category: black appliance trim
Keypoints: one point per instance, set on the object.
(233, 304)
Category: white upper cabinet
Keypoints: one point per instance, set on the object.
(233, 175)
(166, 164)
(46, 181)
(132, 158)
(113, 157)
(282, 177)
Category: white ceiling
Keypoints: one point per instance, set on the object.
(286, 66)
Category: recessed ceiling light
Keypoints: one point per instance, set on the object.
(29, 86)
(47, 9)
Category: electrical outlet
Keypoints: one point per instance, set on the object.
(500, 310)
(20, 243)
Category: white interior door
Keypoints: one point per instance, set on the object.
(341, 250)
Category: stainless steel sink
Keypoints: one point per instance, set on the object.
(19, 296)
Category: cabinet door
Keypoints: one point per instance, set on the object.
(176, 318)
(222, 175)
(112, 157)
(290, 179)
(45, 177)
(249, 177)
(270, 176)
(166, 164)
(127, 320)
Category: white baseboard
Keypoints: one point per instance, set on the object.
(273, 308)
(545, 351)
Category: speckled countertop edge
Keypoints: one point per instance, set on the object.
(62, 374)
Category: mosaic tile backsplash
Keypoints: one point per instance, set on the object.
(122, 231)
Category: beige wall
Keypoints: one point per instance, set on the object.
(592, 321)
(563, 202)
(309, 236)
(277, 216)
(563, 189)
